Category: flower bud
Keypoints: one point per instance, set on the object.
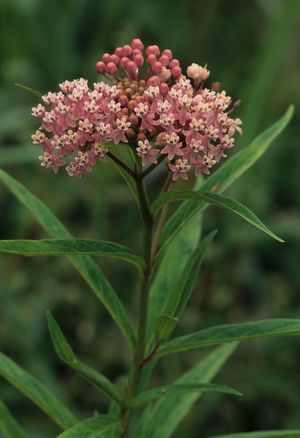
(100, 67)
(157, 67)
(137, 44)
(111, 68)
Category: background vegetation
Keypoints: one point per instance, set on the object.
(252, 48)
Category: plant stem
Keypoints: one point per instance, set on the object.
(138, 362)
(121, 164)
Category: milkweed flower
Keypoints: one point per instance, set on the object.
(144, 100)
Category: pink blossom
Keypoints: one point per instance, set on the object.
(164, 113)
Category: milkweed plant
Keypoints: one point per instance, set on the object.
(144, 112)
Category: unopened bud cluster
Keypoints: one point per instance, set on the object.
(145, 101)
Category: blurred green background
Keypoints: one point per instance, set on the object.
(252, 48)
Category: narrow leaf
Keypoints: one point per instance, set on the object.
(163, 391)
(84, 264)
(56, 247)
(164, 325)
(168, 271)
(67, 355)
(263, 434)
(178, 299)
(30, 90)
(161, 419)
(9, 427)
(223, 177)
(36, 392)
(91, 428)
(232, 332)
(215, 199)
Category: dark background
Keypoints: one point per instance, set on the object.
(252, 48)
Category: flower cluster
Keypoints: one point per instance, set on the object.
(146, 101)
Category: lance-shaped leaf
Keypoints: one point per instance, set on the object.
(163, 391)
(91, 427)
(223, 177)
(214, 199)
(56, 247)
(36, 392)
(9, 427)
(230, 333)
(263, 434)
(177, 301)
(161, 419)
(84, 264)
(67, 355)
(29, 90)
(168, 271)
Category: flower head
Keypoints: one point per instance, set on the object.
(161, 114)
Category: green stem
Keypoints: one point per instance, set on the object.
(138, 363)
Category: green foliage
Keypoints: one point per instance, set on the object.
(225, 176)
(8, 425)
(56, 247)
(214, 199)
(264, 434)
(164, 391)
(29, 90)
(91, 428)
(230, 333)
(84, 264)
(67, 355)
(179, 297)
(161, 419)
(36, 392)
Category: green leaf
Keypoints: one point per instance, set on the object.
(56, 247)
(161, 419)
(223, 177)
(232, 332)
(177, 301)
(163, 327)
(30, 90)
(67, 355)
(9, 427)
(168, 271)
(163, 391)
(36, 392)
(91, 427)
(84, 264)
(263, 434)
(214, 199)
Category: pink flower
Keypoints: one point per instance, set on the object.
(189, 124)
(145, 151)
